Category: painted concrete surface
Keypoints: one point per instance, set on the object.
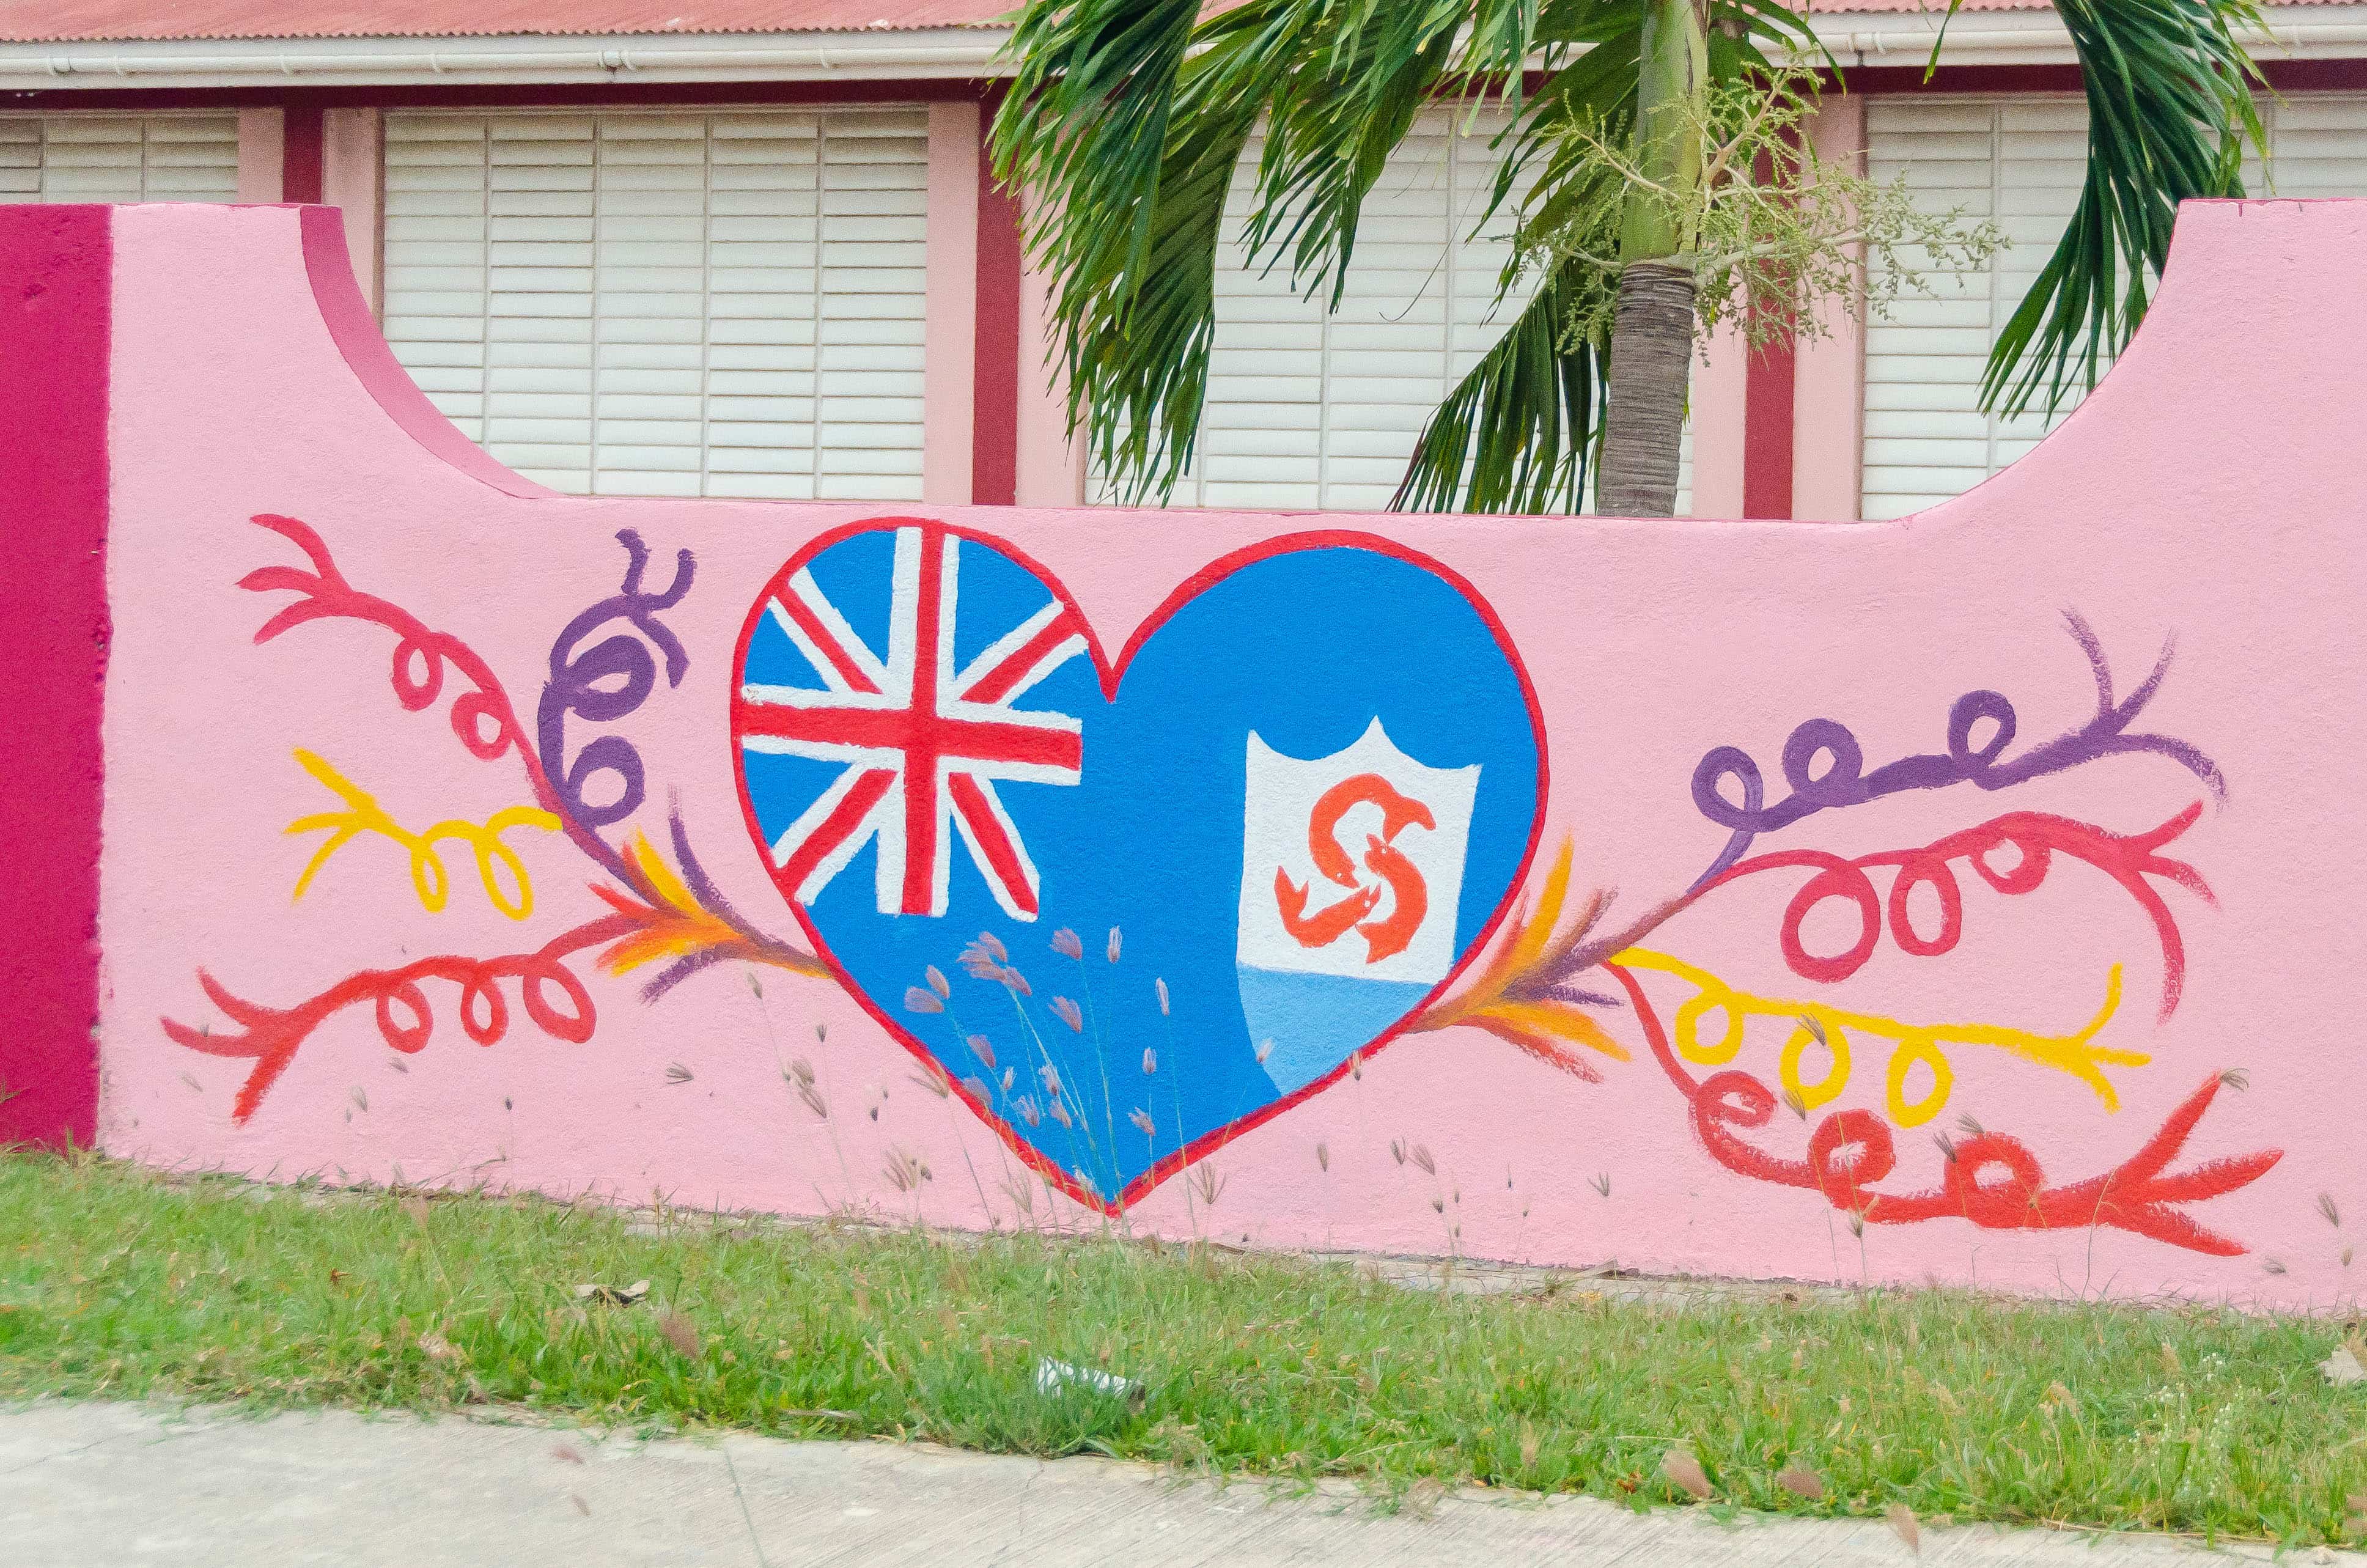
(1987, 880)
(126, 1484)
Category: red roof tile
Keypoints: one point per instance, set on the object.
(60, 21)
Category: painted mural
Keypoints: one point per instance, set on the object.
(1776, 900)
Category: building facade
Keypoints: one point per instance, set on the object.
(731, 249)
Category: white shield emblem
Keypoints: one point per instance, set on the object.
(1352, 875)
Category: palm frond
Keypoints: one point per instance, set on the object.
(1132, 119)
(2169, 110)
(1513, 437)
(1132, 115)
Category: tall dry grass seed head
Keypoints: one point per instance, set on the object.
(906, 1170)
(1066, 943)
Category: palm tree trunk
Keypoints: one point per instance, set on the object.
(1644, 418)
(1652, 325)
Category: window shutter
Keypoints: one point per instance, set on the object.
(2020, 160)
(1925, 435)
(1308, 408)
(764, 293)
(873, 229)
(668, 303)
(436, 257)
(2317, 143)
(118, 157)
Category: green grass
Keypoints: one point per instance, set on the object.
(119, 1282)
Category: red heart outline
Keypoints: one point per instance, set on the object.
(1111, 676)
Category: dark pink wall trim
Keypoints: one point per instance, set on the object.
(1767, 416)
(304, 154)
(329, 267)
(54, 281)
(994, 431)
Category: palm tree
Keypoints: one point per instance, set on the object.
(1127, 118)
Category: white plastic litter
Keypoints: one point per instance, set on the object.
(1058, 1377)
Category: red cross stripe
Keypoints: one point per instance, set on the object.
(924, 742)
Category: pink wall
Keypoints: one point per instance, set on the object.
(2085, 976)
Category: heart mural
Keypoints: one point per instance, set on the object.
(1132, 910)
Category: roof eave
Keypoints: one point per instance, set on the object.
(1856, 40)
(1862, 38)
(876, 54)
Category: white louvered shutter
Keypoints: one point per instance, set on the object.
(118, 157)
(668, 303)
(1309, 409)
(2317, 145)
(2020, 160)
(1313, 410)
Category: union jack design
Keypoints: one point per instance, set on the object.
(924, 742)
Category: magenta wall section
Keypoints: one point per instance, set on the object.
(1985, 880)
(54, 290)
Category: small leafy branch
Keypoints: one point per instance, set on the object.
(1775, 229)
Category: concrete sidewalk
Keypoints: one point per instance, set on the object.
(119, 1484)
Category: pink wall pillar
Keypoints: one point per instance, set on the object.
(53, 620)
(1718, 403)
(352, 178)
(1051, 466)
(1828, 369)
(949, 404)
(262, 135)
